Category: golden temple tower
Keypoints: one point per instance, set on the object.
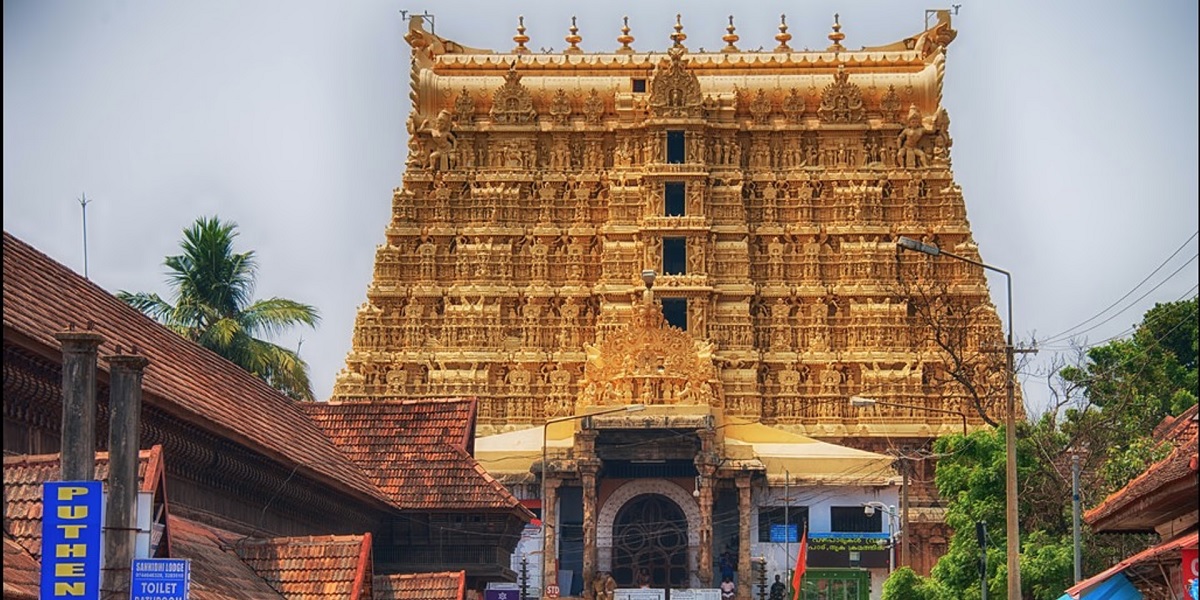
(766, 190)
(761, 194)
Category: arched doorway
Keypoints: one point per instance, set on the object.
(651, 533)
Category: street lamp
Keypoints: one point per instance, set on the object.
(548, 553)
(861, 402)
(869, 509)
(1010, 435)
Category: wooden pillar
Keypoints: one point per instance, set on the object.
(79, 404)
(124, 434)
(744, 576)
(549, 529)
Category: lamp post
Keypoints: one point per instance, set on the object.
(548, 554)
(1012, 532)
(869, 509)
(861, 402)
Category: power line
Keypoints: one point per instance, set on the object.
(1057, 336)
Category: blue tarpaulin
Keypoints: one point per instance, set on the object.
(1116, 587)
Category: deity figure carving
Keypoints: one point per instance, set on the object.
(841, 101)
(910, 155)
(440, 146)
(512, 104)
(604, 586)
(560, 107)
(831, 381)
(417, 155)
(427, 253)
(397, 380)
(675, 91)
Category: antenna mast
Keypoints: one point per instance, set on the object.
(83, 202)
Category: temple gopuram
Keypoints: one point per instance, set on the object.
(663, 275)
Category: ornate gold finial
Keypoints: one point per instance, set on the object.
(783, 36)
(521, 38)
(730, 38)
(836, 37)
(679, 35)
(573, 39)
(625, 38)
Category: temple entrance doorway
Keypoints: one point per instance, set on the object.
(650, 535)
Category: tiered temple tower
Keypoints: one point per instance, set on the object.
(766, 191)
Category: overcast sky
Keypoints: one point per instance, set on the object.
(1075, 130)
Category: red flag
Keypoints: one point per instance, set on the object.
(801, 565)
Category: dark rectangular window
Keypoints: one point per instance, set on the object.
(639, 86)
(776, 517)
(854, 519)
(673, 192)
(675, 148)
(674, 256)
(675, 312)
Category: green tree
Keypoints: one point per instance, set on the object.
(1126, 387)
(1115, 398)
(905, 584)
(213, 288)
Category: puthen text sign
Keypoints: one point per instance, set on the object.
(71, 539)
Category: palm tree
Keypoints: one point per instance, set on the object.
(213, 288)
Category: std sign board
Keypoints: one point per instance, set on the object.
(160, 579)
(71, 547)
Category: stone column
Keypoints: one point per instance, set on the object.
(79, 403)
(124, 434)
(589, 466)
(705, 482)
(744, 576)
(549, 532)
(588, 475)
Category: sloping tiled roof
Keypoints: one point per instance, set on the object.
(217, 572)
(417, 451)
(1180, 465)
(312, 567)
(41, 297)
(23, 479)
(1170, 548)
(450, 585)
(21, 573)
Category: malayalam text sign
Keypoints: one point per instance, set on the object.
(71, 539)
(160, 579)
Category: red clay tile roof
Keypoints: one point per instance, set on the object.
(23, 479)
(217, 572)
(1178, 466)
(41, 297)
(417, 451)
(21, 573)
(450, 585)
(1167, 548)
(313, 567)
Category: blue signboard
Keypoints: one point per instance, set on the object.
(785, 533)
(160, 579)
(501, 595)
(71, 539)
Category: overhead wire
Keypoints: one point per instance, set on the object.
(1066, 332)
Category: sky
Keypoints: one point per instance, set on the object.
(1074, 126)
